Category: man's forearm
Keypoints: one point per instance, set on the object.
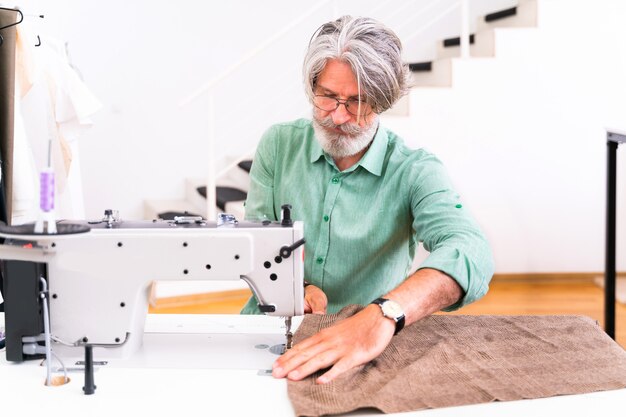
(425, 292)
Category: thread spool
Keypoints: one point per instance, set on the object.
(46, 191)
(57, 381)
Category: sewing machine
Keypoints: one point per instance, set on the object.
(98, 274)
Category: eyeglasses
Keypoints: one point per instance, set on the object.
(327, 103)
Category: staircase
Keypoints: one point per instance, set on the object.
(231, 192)
(232, 186)
(438, 73)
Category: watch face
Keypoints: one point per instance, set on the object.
(392, 309)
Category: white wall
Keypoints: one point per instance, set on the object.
(521, 134)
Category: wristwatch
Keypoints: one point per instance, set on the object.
(391, 310)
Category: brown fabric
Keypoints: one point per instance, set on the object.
(7, 103)
(448, 360)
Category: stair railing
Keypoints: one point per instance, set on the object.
(465, 41)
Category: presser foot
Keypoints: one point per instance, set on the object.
(284, 347)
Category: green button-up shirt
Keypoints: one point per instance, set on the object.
(362, 225)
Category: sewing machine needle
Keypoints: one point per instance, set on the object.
(288, 333)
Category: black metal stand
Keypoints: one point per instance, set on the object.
(89, 387)
(612, 142)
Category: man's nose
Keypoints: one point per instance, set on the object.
(340, 115)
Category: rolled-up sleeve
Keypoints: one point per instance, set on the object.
(456, 244)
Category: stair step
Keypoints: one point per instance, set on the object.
(245, 165)
(502, 14)
(523, 15)
(421, 66)
(439, 76)
(483, 46)
(224, 195)
(457, 41)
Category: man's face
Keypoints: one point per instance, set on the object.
(341, 132)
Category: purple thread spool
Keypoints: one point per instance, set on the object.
(46, 193)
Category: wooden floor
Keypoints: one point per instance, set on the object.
(507, 296)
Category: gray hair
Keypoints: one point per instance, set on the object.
(372, 50)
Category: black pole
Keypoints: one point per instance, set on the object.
(609, 277)
(89, 387)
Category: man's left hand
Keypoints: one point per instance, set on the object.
(315, 301)
(348, 343)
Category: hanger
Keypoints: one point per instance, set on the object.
(12, 24)
(38, 38)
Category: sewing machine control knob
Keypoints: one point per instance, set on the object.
(286, 215)
(110, 217)
(285, 251)
(267, 308)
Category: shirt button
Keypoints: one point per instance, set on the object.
(320, 260)
(326, 218)
(335, 180)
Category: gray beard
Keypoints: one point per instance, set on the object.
(337, 145)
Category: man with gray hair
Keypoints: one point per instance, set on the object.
(366, 201)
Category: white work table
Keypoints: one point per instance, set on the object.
(209, 365)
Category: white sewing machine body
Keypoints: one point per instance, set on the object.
(99, 280)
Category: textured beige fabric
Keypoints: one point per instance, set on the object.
(447, 360)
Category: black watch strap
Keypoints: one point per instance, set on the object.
(397, 316)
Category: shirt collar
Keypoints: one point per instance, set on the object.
(373, 159)
(316, 149)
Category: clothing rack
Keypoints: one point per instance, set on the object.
(9, 19)
(6, 26)
(8, 22)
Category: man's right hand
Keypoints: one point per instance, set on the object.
(315, 300)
